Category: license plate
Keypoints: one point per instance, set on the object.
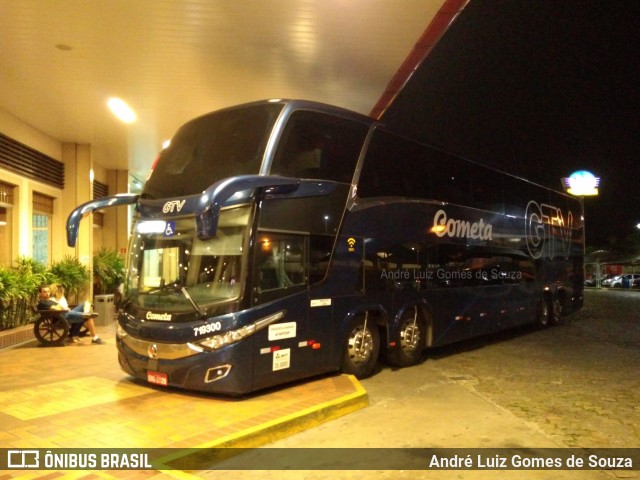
(157, 378)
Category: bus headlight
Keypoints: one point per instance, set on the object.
(120, 332)
(227, 338)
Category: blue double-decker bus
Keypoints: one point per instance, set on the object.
(283, 239)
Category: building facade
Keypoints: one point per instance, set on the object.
(41, 181)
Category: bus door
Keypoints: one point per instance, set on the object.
(322, 295)
(288, 349)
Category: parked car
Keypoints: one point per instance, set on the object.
(606, 281)
(625, 281)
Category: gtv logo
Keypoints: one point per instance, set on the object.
(173, 205)
(547, 231)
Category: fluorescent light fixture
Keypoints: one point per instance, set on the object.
(121, 110)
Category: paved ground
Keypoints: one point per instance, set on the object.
(580, 382)
(76, 396)
(575, 385)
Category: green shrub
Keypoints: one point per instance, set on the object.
(19, 286)
(72, 275)
(19, 290)
(108, 271)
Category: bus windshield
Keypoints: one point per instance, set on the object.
(212, 147)
(174, 271)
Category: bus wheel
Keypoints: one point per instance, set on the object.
(409, 339)
(556, 310)
(361, 347)
(544, 313)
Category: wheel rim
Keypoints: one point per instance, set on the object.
(544, 314)
(410, 336)
(360, 345)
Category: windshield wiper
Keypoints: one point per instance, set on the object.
(166, 287)
(192, 301)
(178, 289)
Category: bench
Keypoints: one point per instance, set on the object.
(51, 328)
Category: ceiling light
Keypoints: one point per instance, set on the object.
(121, 110)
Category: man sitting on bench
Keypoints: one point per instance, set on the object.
(76, 317)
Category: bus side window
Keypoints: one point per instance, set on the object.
(517, 195)
(320, 247)
(486, 188)
(451, 178)
(279, 266)
(394, 167)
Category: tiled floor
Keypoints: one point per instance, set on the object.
(77, 397)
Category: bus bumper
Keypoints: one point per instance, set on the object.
(213, 372)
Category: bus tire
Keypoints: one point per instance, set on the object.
(556, 310)
(409, 339)
(361, 347)
(544, 312)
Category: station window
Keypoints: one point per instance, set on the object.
(41, 227)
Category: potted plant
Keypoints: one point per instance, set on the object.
(108, 271)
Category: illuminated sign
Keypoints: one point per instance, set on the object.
(582, 183)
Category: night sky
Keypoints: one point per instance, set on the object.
(539, 89)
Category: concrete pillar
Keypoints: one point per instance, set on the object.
(23, 225)
(79, 189)
(116, 220)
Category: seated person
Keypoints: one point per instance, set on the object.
(58, 296)
(75, 317)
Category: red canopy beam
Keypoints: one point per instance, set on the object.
(435, 30)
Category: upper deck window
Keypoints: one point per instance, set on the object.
(213, 147)
(317, 145)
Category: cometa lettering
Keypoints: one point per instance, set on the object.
(461, 228)
(162, 317)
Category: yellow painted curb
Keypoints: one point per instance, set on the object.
(268, 432)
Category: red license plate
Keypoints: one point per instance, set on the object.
(157, 378)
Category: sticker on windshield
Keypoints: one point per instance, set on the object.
(170, 229)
